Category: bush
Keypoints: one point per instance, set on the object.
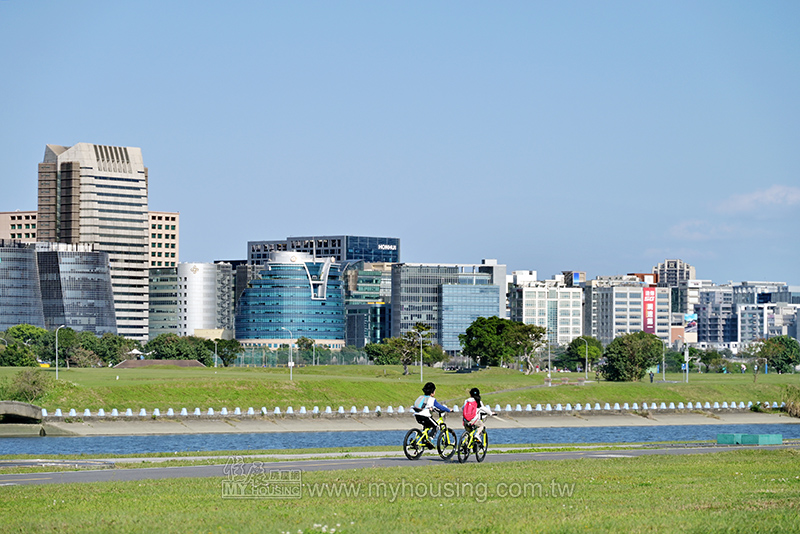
(29, 385)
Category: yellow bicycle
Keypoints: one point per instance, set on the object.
(416, 441)
(468, 443)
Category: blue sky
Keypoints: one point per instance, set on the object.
(595, 136)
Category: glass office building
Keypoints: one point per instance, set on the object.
(163, 316)
(342, 248)
(462, 304)
(297, 295)
(76, 288)
(20, 292)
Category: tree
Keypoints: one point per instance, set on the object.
(112, 348)
(629, 356)
(781, 353)
(227, 350)
(577, 350)
(412, 343)
(485, 342)
(29, 385)
(382, 353)
(26, 334)
(17, 356)
(708, 356)
(173, 347)
(524, 340)
(434, 354)
(305, 343)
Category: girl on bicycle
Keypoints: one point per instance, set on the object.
(422, 408)
(474, 412)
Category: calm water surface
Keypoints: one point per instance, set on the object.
(303, 440)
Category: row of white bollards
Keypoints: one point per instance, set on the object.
(578, 407)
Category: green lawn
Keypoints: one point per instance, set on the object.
(375, 386)
(736, 491)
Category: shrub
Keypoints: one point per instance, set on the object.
(29, 385)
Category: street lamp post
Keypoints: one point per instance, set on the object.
(664, 361)
(291, 361)
(685, 356)
(57, 329)
(586, 368)
(420, 356)
(215, 352)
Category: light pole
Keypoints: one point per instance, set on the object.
(420, 356)
(57, 329)
(291, 362)
(586, 368)
(664, 361)
(215, 352)
(685, 356)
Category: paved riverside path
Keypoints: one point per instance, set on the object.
(379, 459)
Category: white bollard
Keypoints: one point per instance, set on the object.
(680, 406)
(328, 409)
(142, 413)
(548, 408)
(58, 413)
(114, 413)
(635, 407)
(251, 411)
(211, 411)
(716, 406)
(559, 407)
(616, 406)
(237, 411)
(72, 412)
(44, 412)
(353, 409)
(341, 409)
(497, 408)
(707, 406)
(197, 412)
(264, 410)
(507, 408)
(528, 408)
(315, 410)
(277, 411)
(156, 412)
(289, 410)
(100, 413)
(625, 406)
(588, 407)
(223, 411)
(87, 413)
(597, 407)
(607, 407)
(538, 407)
(365, 410)
(518, 408)
(170, 412)
(129, 412)
(568, 407)
(302, 410)
(390, 409)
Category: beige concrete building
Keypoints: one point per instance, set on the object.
(164, 234)
(18, 225)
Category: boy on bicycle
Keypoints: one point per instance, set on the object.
(474, 412)
(422, 410)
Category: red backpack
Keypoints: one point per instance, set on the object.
(470, 410)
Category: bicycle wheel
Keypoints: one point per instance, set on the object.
(447, 443)
(463, 447)
(412, 447)
(481, 445)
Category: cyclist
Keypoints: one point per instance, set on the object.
(474, 412)
(422, 410)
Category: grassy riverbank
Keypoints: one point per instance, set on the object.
(740, 491)
(372, 386)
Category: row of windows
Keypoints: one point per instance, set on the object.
(158, 236)
(158, 264)
(166, 226)
(166, 245)
(19, 226)
(162, 218)
(27, 217)
(27, 236)
(166, 254)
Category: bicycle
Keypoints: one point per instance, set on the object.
(467, 444)
(416, 441)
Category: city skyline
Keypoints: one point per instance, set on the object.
(603, 138)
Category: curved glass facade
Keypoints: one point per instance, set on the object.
(20, 293)
(76, 289)
(296, 292)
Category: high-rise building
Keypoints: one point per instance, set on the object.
(163, 316)
(297, 295)
(76, 288)
(205, 297)
(97, 194)
(617, 305)
(671, 272)
(448, 298)
(20, 289)
(342, 248)
(18, 225)
(717, 320)
(551, 304)
(164, 231)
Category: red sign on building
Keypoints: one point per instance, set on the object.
(649, 308)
